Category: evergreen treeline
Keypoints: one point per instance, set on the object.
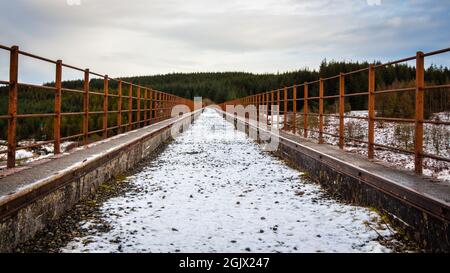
(225, 86)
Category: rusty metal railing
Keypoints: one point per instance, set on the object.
(289, 95)
(151, 105)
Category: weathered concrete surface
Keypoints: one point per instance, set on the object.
(413, 203)
(31, 198)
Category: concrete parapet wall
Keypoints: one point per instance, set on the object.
(29, 209)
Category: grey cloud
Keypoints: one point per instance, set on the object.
(141, 37)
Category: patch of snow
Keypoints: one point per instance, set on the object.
(23, 154)
(34, 154)
(214, 190)
(20, 154)
(441, 116)
(360, 113)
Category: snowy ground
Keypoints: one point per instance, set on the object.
(214, 190)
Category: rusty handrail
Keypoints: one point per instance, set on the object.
(156, 104)
(371, 94)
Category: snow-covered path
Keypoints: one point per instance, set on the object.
(214, 190)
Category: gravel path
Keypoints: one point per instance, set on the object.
(214, 190)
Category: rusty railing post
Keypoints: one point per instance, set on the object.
(272, 102)
(266, 95)
(156, 106)
(253, 104)
(168, 105)
(305, 110)
(263, 104)
(86, 107)
(371, 104)
(57, 119)
(257, 109)
(175, 102)
(262, 100)
(278, 112)
(161, 106)
(119, 107)
(418, 139)
(145, 106)
(138, 115)
(172, 104)
(12, 106)
(249, 102)
(151, 106)
(341, 109)
(294, 109)
(130, 107)
(165, 105)
(105, 106)
(321, 91)
(285, 106)
(260, 104)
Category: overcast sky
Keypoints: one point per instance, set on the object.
(142, 37)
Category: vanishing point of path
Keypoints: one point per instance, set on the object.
(214, 190)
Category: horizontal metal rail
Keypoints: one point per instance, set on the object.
(287, 101)
(144, 105)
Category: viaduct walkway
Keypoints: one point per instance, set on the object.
(214, 190)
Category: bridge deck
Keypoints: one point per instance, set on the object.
(214, 190)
